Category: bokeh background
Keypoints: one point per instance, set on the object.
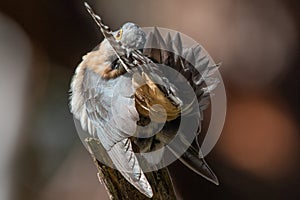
(41, 42)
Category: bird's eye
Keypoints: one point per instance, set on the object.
(115, 64)
(119, 34)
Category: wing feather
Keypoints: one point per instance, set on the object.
(107, 105)
(126, 162)
(110, 110)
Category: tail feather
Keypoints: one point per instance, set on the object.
(194, 160)
(199, 165)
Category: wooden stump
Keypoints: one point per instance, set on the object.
(119, 188)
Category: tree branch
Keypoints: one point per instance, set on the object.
(119, 188)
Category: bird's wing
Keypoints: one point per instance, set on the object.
(126, 162)
(196, 66)
(111, 113)
(108, 103)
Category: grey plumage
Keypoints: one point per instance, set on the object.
(107, 107)
(112, 129)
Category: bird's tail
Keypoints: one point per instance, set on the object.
(194, 160)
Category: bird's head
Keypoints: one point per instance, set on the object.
(119, 44)
(131, 36)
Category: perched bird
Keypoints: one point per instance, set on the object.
(118, 90)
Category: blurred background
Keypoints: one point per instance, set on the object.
(41, 43)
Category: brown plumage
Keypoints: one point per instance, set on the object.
(98, 62)
(117, 86)
(148, 95)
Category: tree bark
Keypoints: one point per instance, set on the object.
(118, 188)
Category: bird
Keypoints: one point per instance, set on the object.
(120, 95)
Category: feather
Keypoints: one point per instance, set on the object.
(198, 165)
(177, 44)
(195, 65)
(194, 160)
(126, 162)
(190, 57)
(112, 107)
(99, 100)
(169, 43)
(161, 43)
(152, 48)
(114, 118)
